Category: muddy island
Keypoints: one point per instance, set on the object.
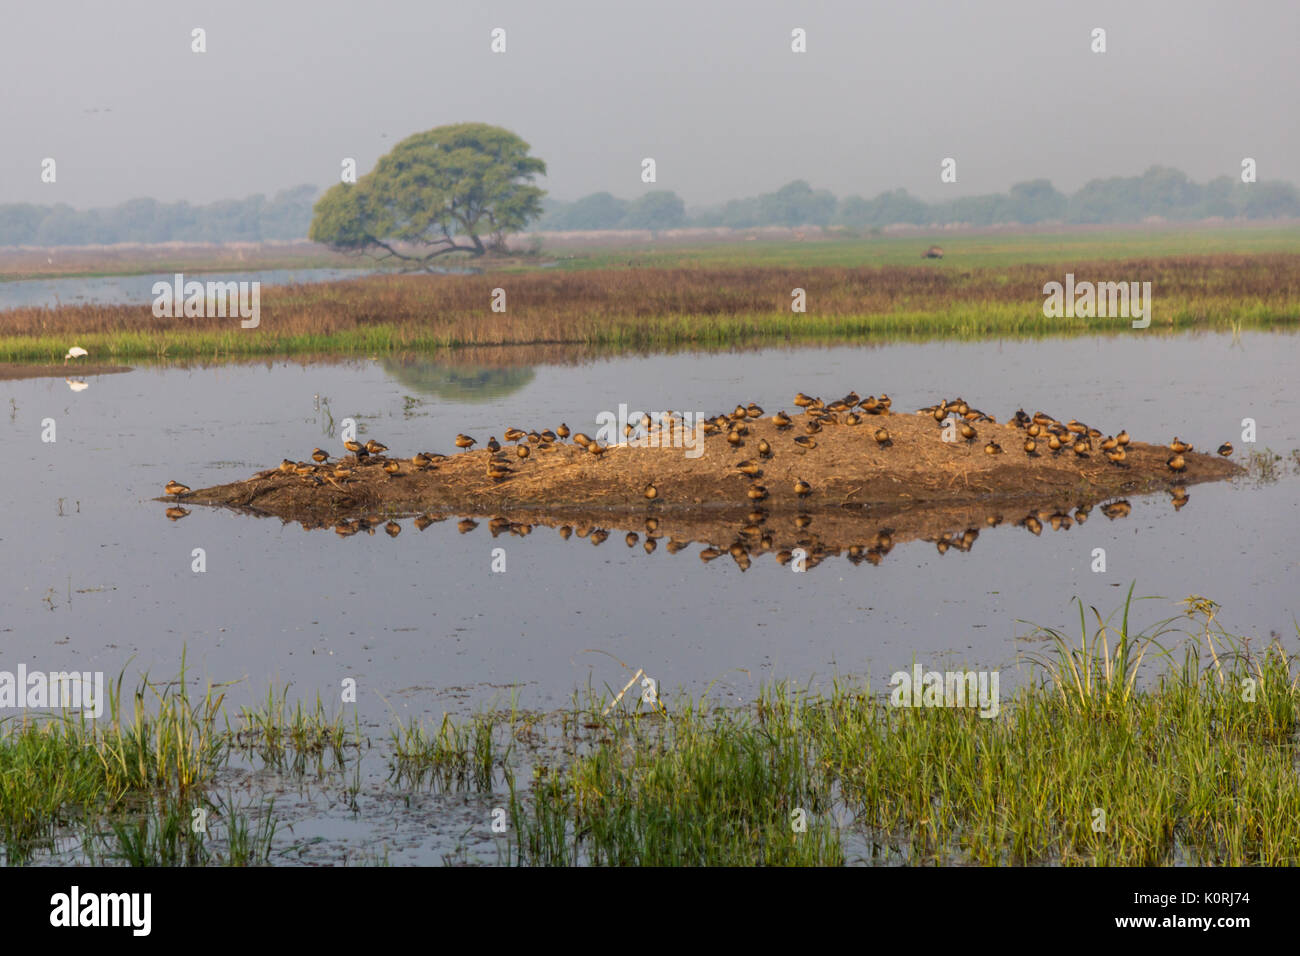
(846, 475)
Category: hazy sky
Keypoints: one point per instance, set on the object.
(711, 90)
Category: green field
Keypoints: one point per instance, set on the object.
(960, 251)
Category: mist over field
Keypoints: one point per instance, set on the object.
(1013, 93)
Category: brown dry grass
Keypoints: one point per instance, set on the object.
(642, 306)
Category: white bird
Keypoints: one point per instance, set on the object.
(75, 352)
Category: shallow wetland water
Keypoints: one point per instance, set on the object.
(97, 577)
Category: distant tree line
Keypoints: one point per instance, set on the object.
(286, 215)
(1160, 191)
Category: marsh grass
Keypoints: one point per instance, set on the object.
(1176, 744)
(702, 305)
(66, 769)
(135, 775)
(1267, 466)
(457, 757)
(1091, 675)
(294, 739)
(1095, 762)
(163, 833)
(160, 834)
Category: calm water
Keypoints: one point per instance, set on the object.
(138, 290)
(95, 575)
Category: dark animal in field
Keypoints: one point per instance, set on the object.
(934, 252)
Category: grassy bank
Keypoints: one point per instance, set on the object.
(1087, 767)
(647, 308)
(1105, 756)
(128, 787)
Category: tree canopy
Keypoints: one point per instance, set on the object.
(445, 190)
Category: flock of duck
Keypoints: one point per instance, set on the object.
(1042, 434)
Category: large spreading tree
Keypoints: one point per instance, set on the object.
(459, 188)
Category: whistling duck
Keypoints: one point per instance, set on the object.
(1116, 509)
(176, 489)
